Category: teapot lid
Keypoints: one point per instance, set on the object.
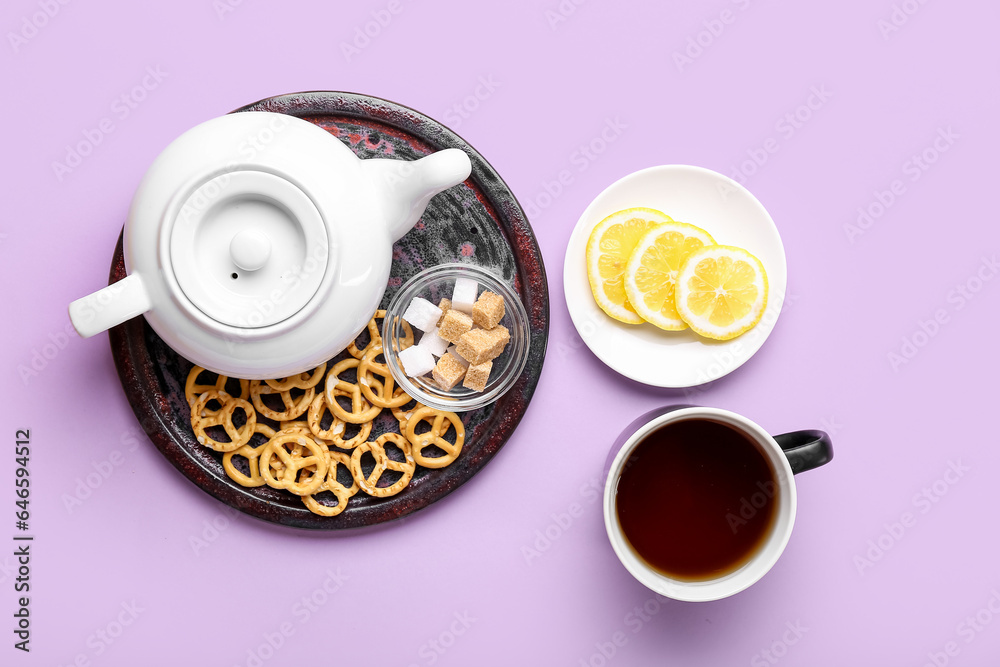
(248, 248)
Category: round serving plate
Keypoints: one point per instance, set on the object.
(478, 222)
(727, 211)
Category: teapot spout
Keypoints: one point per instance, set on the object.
(405, 187)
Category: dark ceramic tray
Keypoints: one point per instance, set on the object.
(477, 222)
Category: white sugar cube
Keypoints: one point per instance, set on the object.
(453, 351)
(434, 343)
(416, 360)
(422, 314)
(466, 291)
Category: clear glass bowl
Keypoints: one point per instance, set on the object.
(438, 283)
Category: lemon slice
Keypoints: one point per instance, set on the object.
(721, 291)
(651, 272)
(608, 250)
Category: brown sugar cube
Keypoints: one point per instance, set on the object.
(476, 376)
(480, 345)
(488, 310)
(475, 346)
(453, 351)
(499, 336)
(453, 325)
(445, 306)
(448, 372)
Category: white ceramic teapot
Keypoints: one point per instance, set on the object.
(258, 245)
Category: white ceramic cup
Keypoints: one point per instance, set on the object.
(787, 454)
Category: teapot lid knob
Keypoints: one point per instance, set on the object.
(250, 249)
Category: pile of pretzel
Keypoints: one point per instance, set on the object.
(298, 454)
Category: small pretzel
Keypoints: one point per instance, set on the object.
(251, 454)
(316, 459)
(403, 413)
(224, 418)
(300, 427)
(340, 492)
(293, 407)
(333, 377)
(440, 422)
(203, 412)
(296, 451)
(375, 336)
(290, 424)
(301, 381)
(338, 426)
(193, 389)
(361, 410)
(383, 463)
(367, 368)
(401, 343)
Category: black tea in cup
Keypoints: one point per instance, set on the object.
(697, 499)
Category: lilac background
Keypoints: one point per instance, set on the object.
(555, 86)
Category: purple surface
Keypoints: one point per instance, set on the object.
(452, 585)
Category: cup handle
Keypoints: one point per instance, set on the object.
(805, 450)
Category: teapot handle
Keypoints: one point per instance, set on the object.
(110, 306)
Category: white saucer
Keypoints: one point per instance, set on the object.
(727, 211)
